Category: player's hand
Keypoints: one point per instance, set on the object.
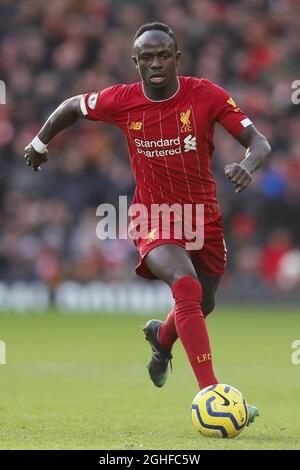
(34, 159)
(239, 176)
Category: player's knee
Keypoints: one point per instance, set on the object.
(187, 288)
(208, 307)
(178, 275)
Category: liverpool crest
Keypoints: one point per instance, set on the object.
(185, 120)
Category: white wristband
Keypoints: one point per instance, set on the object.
(38, 145)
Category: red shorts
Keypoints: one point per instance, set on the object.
(210, 260)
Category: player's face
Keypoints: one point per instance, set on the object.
(156, 60)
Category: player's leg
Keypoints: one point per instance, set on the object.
(167, 334)
(209, 259)
(169, 262)
(210, 285)
(173, 265)
(167, 331)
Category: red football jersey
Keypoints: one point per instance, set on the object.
(170, 142)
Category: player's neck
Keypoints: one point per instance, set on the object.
(164, 93)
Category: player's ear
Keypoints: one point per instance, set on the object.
(134, 60)
(178, 55)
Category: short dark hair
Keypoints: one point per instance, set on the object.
(156, 26)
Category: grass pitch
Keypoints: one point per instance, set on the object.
(80, 382)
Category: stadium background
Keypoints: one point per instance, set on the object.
(49, 52)
(70, 381)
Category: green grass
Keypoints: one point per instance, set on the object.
(80, 382)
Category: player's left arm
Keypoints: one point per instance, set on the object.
(257, 154)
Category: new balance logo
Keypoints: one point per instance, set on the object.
(190, 143)
(136, 126)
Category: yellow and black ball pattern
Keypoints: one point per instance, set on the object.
(219, 411)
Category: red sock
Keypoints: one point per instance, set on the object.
(167, 331)
(191, 328)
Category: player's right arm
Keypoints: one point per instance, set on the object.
(64, 116)
(97, 106)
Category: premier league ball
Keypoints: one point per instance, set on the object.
(219, 411)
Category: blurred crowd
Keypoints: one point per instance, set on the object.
(50, 51)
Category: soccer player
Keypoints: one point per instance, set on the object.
(169, 124)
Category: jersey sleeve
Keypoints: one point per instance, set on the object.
(227, 113)
(100, 106)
